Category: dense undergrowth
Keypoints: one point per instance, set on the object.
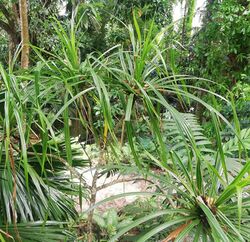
(118, 99)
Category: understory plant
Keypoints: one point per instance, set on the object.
(44, 107)
(205, 183)
(197, 199)
(36, 185)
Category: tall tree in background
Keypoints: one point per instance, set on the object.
(24, 33)
(9, 23)
(190, 17)
(189, 13)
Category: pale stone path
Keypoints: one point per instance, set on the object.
(119, 188)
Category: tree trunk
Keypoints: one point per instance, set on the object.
(24, 33)
(13, 42)
(188, 21)
(190, 17)
(183, 31)
(14, 36)
(10, 26)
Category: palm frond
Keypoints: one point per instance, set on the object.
(38, 231)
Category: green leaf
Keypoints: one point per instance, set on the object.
(213, 222)
(99, 220)
(187, 230)
(146, 218)
(112, 218)
(162, 227)
(231, 226)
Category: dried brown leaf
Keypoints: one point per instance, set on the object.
(174, 234)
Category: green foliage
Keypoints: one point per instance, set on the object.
(109, 223)
(199, 212)
(40, 24)
(121, 96)
(219, 51)
(213, 205)
(3, 47)
(177, 142)
(35, 232)
(160, 10)
(232, 145)
(34, 183)
(221, 48)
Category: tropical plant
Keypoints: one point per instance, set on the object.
(42, 106)
(36, 188)
(199, 186)
(196, 199)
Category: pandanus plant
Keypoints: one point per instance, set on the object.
(209, 200)
(197, 200)
(44, 100)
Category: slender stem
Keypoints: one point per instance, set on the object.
(125, 180)
(92, 203)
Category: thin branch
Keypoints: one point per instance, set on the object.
(92, 203)
(126, 180)
(6, 234)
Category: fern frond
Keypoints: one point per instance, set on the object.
(181, 144)
(233, 144)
